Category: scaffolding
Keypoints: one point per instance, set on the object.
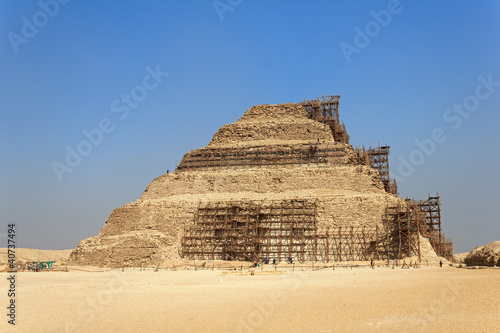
(319, 154)
(431, 208)
(251, 230)
(414, 219)
(350, 243)
(378, 158)
(431, 228)
(404, 222)
(287, 230)
(326, 111)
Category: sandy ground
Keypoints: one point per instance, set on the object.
(427, 299)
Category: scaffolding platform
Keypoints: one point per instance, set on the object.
(287, 230)
(297, 155)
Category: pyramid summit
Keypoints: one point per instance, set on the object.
(282, 182)
(272, 124)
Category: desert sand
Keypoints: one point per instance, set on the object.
(26, 254)
(426, 299)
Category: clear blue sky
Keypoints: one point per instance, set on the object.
(62, 77)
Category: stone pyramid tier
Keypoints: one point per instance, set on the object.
(272, 125)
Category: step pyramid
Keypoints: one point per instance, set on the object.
(285, 163)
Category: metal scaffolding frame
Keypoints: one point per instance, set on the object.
(405, 222)
(378, 158)
(432, 229)
(249, 230)
(326, 111)
(288, 156)
(416, 218)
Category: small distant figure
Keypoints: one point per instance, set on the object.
(274, 261)
(267, 261)
(440, 263)
(168, 171)
(371, 263)
(290, 260)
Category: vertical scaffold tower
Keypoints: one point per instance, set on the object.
(326, 111)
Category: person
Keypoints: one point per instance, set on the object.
(267, 261)
(274, 261)
(440, 263)
(371, 263)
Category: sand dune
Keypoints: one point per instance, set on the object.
(35, 255)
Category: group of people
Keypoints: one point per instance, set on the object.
(266, 261)
(290, 260)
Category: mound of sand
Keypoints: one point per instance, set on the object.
(460, 257)
(24, 255)
(428, 255)
(488, 255)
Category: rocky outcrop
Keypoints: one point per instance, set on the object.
(488, 255)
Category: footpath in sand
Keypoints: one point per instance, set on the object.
(427, 299)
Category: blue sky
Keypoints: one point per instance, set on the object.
(408, 72)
